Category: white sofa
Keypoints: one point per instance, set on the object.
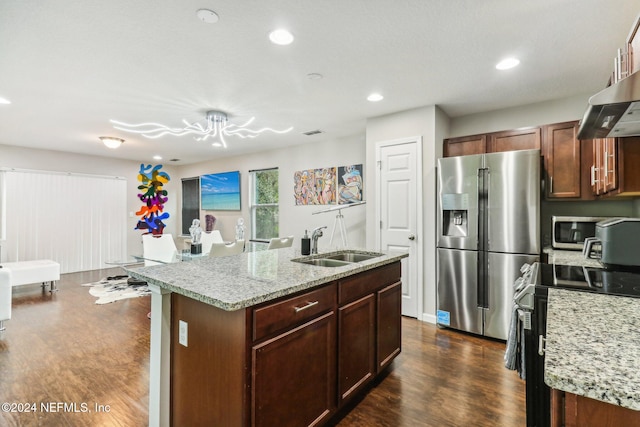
(5, 296)
(36, 271)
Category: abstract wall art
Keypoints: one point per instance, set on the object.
(220, 191)
(153, 196)
(315, 186)
(350, 184)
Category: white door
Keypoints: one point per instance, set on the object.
(399, 212)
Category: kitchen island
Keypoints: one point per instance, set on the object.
(262, 339)
(592, 348)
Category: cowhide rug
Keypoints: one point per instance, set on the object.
(111, 289)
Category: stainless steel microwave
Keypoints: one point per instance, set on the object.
(569, 232)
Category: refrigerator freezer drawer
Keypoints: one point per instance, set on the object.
(457, 290)
(503, 270)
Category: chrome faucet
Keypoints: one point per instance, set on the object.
(314, 239)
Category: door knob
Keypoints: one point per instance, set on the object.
(412, 237)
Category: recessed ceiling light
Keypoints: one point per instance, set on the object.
(314, 76)
(157, 157)
(508, 63)
(375, 97)
(281, 37)
(208, 16)
(4, 101)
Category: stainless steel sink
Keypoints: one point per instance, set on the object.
(338, 259)
(323, 262)
(353, 256)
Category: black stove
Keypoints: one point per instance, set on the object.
(611, 281)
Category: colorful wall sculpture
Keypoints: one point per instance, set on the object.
(153, 197)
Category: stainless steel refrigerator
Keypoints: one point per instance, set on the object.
(488, 227)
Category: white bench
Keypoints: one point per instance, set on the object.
(38, 271)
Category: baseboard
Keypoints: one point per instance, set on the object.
(429, 318)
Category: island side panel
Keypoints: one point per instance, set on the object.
(209, 375)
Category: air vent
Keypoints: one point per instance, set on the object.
(312, 132)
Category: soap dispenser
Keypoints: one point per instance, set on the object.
(306, 244)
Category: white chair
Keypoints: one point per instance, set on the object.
(158, 249)
(224, 249)
(280, 242)
(5, 296)
(207, 239)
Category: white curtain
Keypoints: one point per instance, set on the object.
(77, 220)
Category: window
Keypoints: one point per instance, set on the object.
(264, 204)
(190, 202)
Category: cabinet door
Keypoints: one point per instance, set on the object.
(521, 139)
(609, 164)
(475, 144)
(389, 324)
(293, 382)
(356, 345)
(562, 160)
(597, 169)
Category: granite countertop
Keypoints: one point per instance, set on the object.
(565, 257)
(593, 346)
(240, 281)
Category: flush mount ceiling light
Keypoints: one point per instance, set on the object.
(111, 142)
(207, 16)
(375, 97)
(507, 63)
(217, 125)
(281, 37)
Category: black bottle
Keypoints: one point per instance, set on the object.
(306, 244)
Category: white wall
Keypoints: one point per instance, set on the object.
(431, 124)
(293, 219)
(48, 160)
(542, 113)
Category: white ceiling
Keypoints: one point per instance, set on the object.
(69, 66)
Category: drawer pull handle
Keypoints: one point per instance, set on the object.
(308, 305)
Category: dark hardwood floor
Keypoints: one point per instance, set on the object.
(62, 348)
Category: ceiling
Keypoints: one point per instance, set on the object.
(70, 66)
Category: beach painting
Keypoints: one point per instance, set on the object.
(220, 191)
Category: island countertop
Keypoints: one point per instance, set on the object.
(240, 281)
(592, 348)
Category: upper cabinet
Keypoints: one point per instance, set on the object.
(465, 145)
(510, 140)
(562, 160)
(614, 171)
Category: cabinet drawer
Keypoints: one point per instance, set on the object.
(365, 283)
(292, 311)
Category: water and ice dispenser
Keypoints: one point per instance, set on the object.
(455, 211)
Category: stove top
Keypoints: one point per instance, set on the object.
(606, 281)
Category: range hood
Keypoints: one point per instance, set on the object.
(614, 111)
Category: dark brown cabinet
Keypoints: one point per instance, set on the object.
(571, 410)
(509, 140)
(614, 171)
(296, 360)
(368, 327)
(562, 160)
(465, 145)
(293, 378)
(357, 357)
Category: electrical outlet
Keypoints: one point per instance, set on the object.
(183, 333)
